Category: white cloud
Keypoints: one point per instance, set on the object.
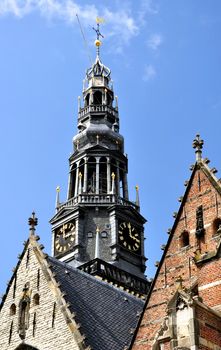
(147, 7)
(149, 72)
(154, 41)
(121, 24)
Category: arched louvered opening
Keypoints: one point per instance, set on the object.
(97, 98)
(72, 181)
(81, 176)
(91, 175)
(103, 175)
(109, 99)
(87, 100)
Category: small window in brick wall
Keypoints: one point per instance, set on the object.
(217, 227)
(12, 310)
(184, 239)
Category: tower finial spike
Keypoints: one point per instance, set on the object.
(57, 203)
(113, 183)
(97, 243)
(32, 221)
(137, 196)
(198, 145)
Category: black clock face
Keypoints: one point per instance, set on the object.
(64, 237)
(129, 237)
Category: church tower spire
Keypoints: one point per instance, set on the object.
(97, 194)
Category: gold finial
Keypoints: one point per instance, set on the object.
(137, 188)
(113, 176)
(97, 230)
(100, 20)
(58, 189)
(80, 175)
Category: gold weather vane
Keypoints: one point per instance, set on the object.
(98, 42)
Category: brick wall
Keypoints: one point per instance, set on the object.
(191, 261)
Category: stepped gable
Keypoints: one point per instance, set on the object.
(190, 262)
(106, 314)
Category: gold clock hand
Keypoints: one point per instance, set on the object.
(129, 226)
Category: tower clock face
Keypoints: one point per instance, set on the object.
(64, 237)
(129, 237)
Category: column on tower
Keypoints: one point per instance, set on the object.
(97, 174)
(76, 179)
(108, 176)
(70, 178)
(85, 174)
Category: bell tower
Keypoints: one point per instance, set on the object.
(98, 228)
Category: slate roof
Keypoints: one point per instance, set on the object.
(108, 316)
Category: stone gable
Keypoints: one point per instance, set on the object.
(47, 328)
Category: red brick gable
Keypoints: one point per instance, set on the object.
(191, 260)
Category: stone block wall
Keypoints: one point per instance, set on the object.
(47, 328)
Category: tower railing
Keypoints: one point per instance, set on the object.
(96, 199)
(114, 274)
(97, 108)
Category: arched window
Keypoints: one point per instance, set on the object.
(184, 239)
(103, 175)
(12, 310)
(72, 182)
(87, 100)
(91, 175)
(217, 226)
(109, 100)
(36, 299)
(97, 98)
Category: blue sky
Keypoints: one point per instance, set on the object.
(165, 59)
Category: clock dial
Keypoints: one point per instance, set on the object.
(64, 238)
(129, 238)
